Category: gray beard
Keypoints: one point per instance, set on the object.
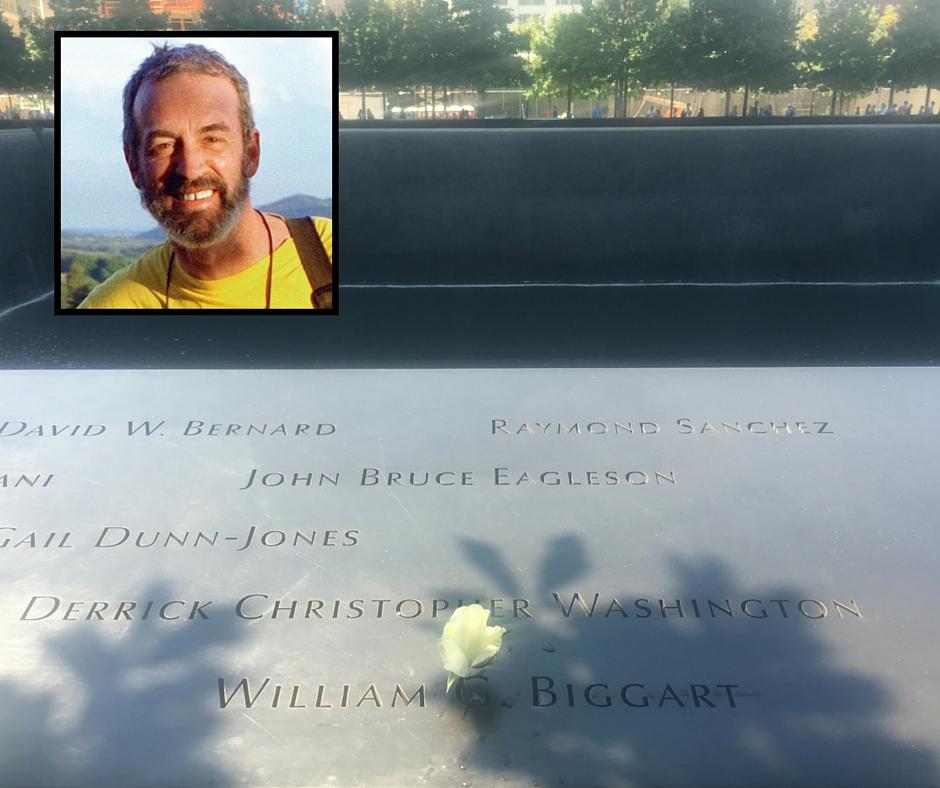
(197, 231)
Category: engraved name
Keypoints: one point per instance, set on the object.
(40, 608)
(318, 696)
(594, 606)
(252, 607)
(635, 695)
(24, 429)
(683, 426)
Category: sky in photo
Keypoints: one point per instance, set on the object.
(290, 80)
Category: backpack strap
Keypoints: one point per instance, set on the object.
(316, 263)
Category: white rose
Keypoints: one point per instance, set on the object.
(468, 642)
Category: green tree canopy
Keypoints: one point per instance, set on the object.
(623, 29)
(566, 58)
(486, 49)
(428, 43)
(75, 15)
(743, 44)
(845, 55)
(368, 32)
(250, 15)
(915, 41)
(12, 59)
(670, 56)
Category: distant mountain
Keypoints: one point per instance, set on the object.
(295, 205)
(300, 205)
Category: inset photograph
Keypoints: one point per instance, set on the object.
(196, 171)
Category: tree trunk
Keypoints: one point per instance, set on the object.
(362, 108)
(812, 103)
(890, 93)
(832, 107)
(433, 102)
(727, 102)
(927, 100)
(747, 88)
(842, 103)
(570, 89)
(444, 90)
(425, 102)
(672, 98)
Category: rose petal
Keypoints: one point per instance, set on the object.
(453, 657)
(467, 642)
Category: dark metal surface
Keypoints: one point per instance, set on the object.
(534, 327)
(586, 206)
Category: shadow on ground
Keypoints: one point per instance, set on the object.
(798, 718)
(143, 713)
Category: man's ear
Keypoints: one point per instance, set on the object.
(253, 153)
(132, 166)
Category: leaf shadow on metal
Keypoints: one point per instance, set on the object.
(800, 716)
(129, 710)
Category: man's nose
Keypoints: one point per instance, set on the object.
(189, 161)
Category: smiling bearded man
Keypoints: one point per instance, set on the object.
(191, 147)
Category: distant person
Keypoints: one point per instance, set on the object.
(701, 112)
(595, 112)
(554, 113)
(791, 111)
(369, 115)
(734, 112)
(930, 111)
(891, 110)
(191, 146)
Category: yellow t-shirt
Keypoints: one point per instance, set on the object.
(142, 285)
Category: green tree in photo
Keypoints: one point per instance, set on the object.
(75, 15)
(747, 45)
(250, 15)
(12, 59)
(845, 55)
(316, 16)
(427, 47)
(566, 58)
(39, 63)
(486, 49)
(368, 54)
(76, 285)
(669, 55)
(915, 41)
(623, 29)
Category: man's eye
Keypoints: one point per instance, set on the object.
(214, 140)
(160, 147)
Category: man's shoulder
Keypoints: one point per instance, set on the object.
(324, 229)
(138, 286)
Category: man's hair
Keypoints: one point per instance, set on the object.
(167, 60)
